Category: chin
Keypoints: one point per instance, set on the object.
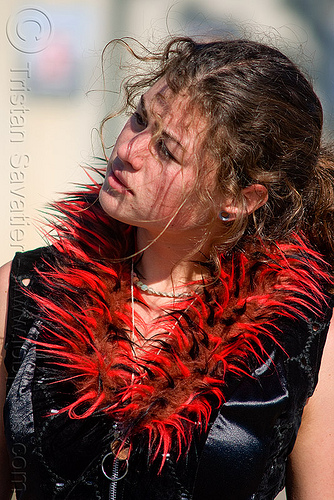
(102, 197)
(110, 205)
(107, 201)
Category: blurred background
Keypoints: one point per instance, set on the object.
(52, 97)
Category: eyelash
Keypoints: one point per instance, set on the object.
(139, 119)
(160, 144)
(163, 150)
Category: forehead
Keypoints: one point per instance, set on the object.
(175, 113)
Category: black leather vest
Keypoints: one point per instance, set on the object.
(241, 457)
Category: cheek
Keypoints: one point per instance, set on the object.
(172, 189)
(179, 200)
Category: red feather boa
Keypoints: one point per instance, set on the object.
(165, 390)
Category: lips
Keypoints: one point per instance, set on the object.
(116, 181)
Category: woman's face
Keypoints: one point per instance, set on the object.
(150, 184)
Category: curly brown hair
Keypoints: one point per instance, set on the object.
(264, 127)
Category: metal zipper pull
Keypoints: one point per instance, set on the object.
(113, 482)
(120, 452)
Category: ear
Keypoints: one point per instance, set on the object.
(255, 196)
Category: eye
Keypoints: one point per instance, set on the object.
(139, 119)
(163, 150)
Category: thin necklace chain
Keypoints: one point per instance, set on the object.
(173, 296)
(132, 301)
(151, 291)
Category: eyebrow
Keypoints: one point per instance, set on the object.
(164, 133)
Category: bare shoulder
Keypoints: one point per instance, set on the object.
(4, 285)
(5, 482)
(312, 459)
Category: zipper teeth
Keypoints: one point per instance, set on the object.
(113, 484)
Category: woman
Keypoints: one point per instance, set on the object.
(166, 343)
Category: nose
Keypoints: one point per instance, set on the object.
(133, 150)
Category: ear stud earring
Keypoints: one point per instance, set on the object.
(224, 216)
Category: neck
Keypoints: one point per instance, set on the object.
(169, 262)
